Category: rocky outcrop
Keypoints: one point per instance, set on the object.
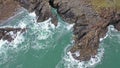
(91, 18)
(8, 9)
(10, 34)
(42, 9)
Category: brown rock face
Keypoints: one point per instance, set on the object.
(8, 8)
(42, 9)
(91, 22)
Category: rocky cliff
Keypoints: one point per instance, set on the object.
(42, 8)
(91, 18)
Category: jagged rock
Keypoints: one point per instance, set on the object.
(8, 33)
(42, 9)
(117, 26)
(91, 18)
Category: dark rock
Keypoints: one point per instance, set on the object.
(117, 26)
(42, 9)
(5, 33)
(8, 9)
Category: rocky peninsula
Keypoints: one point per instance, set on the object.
(91, 19)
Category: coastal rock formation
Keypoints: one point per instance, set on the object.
(10, 33)
(42, 9)
(91, 19)
(8, 8)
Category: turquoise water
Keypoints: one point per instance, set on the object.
(111, 44)
(45, 46)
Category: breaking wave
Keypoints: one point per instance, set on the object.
(39, 36)
(34, 37)
(69, 62)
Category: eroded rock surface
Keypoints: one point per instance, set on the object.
(8, 8)
(91, 18)
(42, 9)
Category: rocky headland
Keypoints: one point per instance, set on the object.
(91, 19)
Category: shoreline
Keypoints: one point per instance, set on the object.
(17, 14)
(91, 20)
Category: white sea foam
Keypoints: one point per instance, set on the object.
(43, 29)
(77, 53)
(17, 40)
(113, 32)
(2, 42)
(69, 62)
(5, 46)
(47, 24)
(69, 26)
(58, 25)
(101, 39)
(18, 37)
(37, 31)
(22, 25)
(110, 29)
(32, 14)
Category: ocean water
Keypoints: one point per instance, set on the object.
(111, 44)
(44, 45)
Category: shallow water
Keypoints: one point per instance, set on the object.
(45, 46)
(111, 45)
